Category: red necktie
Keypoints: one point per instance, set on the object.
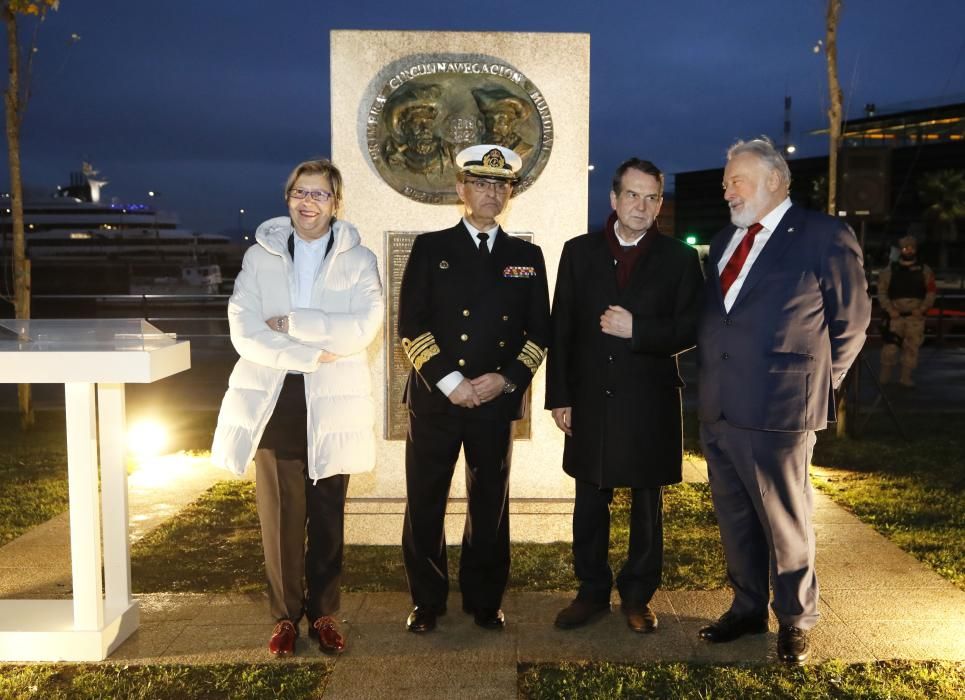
(733, 267)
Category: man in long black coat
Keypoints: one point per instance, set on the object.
(626, 304)
(474, 324)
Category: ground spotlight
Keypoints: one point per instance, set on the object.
(147, 438)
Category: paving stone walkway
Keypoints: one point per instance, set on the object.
(877, 602)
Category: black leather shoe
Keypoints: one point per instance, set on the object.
(792, 644)
(423, 618)
(580, 612)
(640, 618)
(731, 626)
(490, 618)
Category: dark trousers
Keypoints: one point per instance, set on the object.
(640, 576)
(764, 504)
(432, 448)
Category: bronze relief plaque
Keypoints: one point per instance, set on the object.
(430, 107)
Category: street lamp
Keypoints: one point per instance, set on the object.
(157, 232)
(241, 221)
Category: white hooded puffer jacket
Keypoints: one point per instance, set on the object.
(346, 314)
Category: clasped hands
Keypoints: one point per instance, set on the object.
(470, 393)
(280, 324)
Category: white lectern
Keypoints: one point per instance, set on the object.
(82, 353)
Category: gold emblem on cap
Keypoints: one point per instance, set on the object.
(444, 265)
(494, 159)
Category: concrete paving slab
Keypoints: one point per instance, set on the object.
(752, 648)
(50, 532)
(218, 643)
(699, 606)
(606, 639)
(913, 639)
(385, 608)
(171, 607)
(922, 605)
(887, 574)
(148, 643)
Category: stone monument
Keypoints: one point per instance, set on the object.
(403, 104)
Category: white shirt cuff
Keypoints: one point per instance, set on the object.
(448, 383)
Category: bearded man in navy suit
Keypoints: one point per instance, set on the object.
(785, 312)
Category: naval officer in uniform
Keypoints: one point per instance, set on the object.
(474, 324)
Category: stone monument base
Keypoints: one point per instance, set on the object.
(379, 520)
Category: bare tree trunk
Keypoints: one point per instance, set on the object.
(834, 144)
(835, 102)
(21, 266)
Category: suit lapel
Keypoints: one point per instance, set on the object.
(773, 251)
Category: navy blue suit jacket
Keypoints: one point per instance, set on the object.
(796, 326)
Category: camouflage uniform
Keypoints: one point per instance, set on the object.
(906, 290)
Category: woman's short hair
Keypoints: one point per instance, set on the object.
(321, 166)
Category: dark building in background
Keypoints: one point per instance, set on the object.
(883, 162)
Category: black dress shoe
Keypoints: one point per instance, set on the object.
(580, 612)
(730, 626)
(792, 644)
(640, 618)
(423, 618)
(490, 618)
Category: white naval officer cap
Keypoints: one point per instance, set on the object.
(489, 160)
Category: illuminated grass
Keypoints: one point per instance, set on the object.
(228, 557)
(892, 680)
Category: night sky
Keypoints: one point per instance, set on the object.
(210, 103)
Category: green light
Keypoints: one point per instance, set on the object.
(691, 240)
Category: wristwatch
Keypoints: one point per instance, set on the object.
(508, 387)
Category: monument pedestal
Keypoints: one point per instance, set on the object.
(461, 74)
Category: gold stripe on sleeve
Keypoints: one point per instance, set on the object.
(532, 356)
(420, 350)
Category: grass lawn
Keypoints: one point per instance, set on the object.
(228, 557)
(895, 680)
(214, 682)
(33, 473)
(912, 492)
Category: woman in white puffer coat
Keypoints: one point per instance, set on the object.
(306, 306)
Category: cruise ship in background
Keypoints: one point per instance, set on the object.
(78, 243)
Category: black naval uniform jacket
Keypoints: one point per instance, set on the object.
(457, 313)
(624, 392)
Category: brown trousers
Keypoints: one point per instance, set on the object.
(280, 498)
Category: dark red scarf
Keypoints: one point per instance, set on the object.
(627, 257)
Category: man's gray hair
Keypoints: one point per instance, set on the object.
(764, 149)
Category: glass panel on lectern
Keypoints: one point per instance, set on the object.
(80, 334)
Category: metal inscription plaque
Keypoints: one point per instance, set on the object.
(430, 107)
(398, 245)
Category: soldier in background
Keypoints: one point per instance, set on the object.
(906, 290)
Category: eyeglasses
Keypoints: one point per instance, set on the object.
(316, 195)
(498, 186)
